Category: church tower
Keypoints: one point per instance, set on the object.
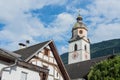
(79, 44)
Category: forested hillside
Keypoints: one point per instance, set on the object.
(105, 48)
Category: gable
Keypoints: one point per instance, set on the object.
(29, 51)
(45, 55)
(34, 54)
(45, 58)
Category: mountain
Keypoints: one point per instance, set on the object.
(100, 49)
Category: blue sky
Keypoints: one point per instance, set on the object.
(41, 20)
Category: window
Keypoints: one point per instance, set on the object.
(57, 74)
(46, 51)
(23, 75)
(43, 76)
(75, 47)
(80, 31)
(85, 48)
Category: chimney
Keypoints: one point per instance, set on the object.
(27, 42)
(22, 45)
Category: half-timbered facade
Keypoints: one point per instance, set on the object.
(45, 55)
(13, 68)
(37, 62)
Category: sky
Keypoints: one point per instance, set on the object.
(42, 20)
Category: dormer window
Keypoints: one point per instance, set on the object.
(46, 51)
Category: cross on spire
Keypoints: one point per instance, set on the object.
(79, 12)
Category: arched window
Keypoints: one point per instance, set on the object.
(85, 48)
(75, 47)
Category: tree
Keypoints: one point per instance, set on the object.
(106, 70)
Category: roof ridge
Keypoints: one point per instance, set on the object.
(32, 45)
(27, 52)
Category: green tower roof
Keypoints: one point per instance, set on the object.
(79, 23)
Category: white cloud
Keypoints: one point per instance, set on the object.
(12, 9)
(104, 19)
(20, 26)
(106, 32)
(63, 22)
(64, 49)
(108, 8)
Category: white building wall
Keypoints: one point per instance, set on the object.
(75, 32)
(50, 77)
(50, 62)
(71, 45)
(81, 52)
(85, 52)
(16, 72)
(71, 52)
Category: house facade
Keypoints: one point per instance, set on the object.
(12, 68)
(19, 73)
(39, 62)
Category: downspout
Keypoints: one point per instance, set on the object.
(1, 71)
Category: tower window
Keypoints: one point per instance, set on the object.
(85, 48)
(75, 47)
(80, 31)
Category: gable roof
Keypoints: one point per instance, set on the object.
(29, 52)
(9, 57)
(81, 69)
(9, 54)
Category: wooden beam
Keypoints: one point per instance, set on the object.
(33, 67)
(59, 61)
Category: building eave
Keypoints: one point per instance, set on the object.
(80, 28)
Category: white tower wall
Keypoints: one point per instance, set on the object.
(79, 45)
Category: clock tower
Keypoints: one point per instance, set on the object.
(79, 44)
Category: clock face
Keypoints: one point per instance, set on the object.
(80, 31)
(74, 55)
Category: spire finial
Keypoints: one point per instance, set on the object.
(78, 12)
(79, 18)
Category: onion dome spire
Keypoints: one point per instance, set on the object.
(79, 18)
(79, 23)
